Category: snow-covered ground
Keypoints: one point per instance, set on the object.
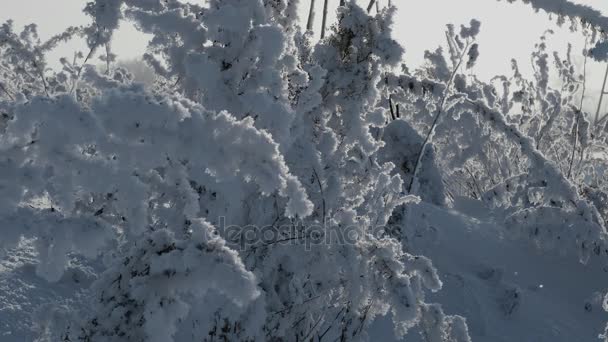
(507, 290)
(27, 299)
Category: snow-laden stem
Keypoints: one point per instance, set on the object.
(550, 173)
(429, 135)
(578, 117)
(41, 74)
(77, 79)
(584, 75)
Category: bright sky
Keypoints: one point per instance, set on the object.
(508, 30)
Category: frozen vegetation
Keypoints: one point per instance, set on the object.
(254, 183)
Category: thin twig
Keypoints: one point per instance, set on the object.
(320, 337)
(324, 22)
(80, 69)
(360, 328)
(89, 55)
(579, 114)
(321, 190)
(312, 329)
(108, 59)
(436, 119)
(474, 181)
(6, 92)
(41, 74)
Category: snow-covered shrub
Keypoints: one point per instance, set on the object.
(246, 194)
(145, 295)
(240, 198)
(492, 142)
(23, 68)
(401, 147)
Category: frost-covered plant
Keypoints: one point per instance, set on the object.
(492, 143)
(171, 191)
(245, 195)
(23, 68)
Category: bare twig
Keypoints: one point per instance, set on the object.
(480, 193)
(6, 92)
(324, 22)
(80, 69)
(312, 329)
(363, 318)
(321, 190)
(320, 336)
(89, 55)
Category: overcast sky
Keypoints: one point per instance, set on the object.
(508, 30)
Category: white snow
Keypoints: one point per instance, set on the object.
(508, 290)
(268, 186)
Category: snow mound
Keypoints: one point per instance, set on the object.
(508, 290)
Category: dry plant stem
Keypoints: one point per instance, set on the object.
(6, 92)
(321, 190)
(371, 4)
(580, 108)
(41, 74)
(479, 192)
(89, 55)
(107, 59)
(311, 16)
(390, 104)
(324, 21)
(80, 69)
